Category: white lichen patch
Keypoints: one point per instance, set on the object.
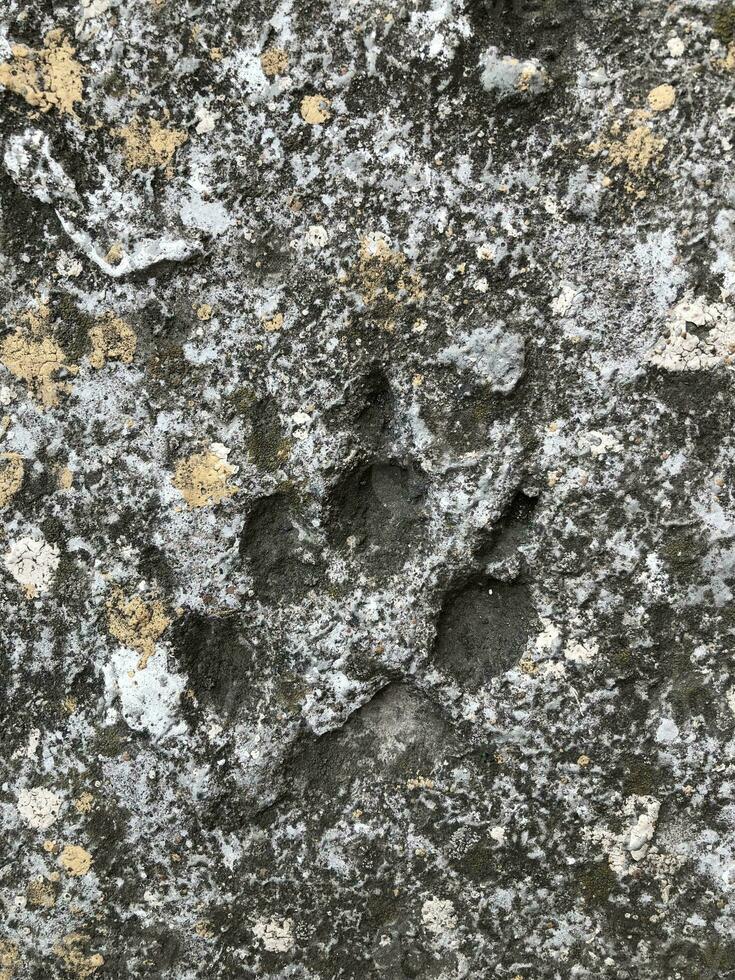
(32, 562)
(38, 807)
(494, 355)
(504, 74)
(274, 935)
(148, 699)
(630, 846)
(699, 336)
(439, 916)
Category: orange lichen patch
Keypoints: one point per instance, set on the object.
(137, 624)
(36, 359)
(662, 97)
(112, 339)
(9, 958)
(49, 78)
(315, 109)
(148, 144)
(70, 950)
(202, 478)
(638, 150)
(11, 476)
(40, 892)
(75, 860)
(274, 61)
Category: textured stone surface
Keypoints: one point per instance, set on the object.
(367, 529)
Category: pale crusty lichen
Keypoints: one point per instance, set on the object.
(75, 860)
(384, 278)
(137, 624)
(35, 358)
(112, 339)
(11, 476)
(681, 349)
(637, 150)
(40, 892)
(48, 78)
(202, 478)
(662, 97)
(70, 950)
(9, 959)
(148, 144)
(274, 61)
(315, 109)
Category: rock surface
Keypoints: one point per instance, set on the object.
(367, 489)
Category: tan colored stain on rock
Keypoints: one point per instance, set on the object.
(75, 860)
(637, 150)
(384, 278)
(84, 803)
(112, 339)
(273, 324)
(48, 78)
(202, 478)
(137, 624)
(274, 61)
(147, 144)
(9, 959)
(36, 359)
(11, 476)
(662, 97)
(70, 950)
(40, 892)
(315, 109)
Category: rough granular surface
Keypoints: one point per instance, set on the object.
(367, 490)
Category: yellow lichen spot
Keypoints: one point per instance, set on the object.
(137, 624)
(64, 478)
(273, 324)
(315, 109)
(637, 150)
(11, 476)
(384, 278)
(75, 860)
(70, 951)
(203, 929)
(112, 339)
(49, 78)
(662, 97)
(204, 312)
(40, 892)
(274, 61)
(84, 803)
(215, 54)
(420, 782)
(202, 478)
(69, 704)
(148, 144)
(9, 958)
(728, 62)
(583, 761)
(115, 253)
(50, 846)
(36, 361)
